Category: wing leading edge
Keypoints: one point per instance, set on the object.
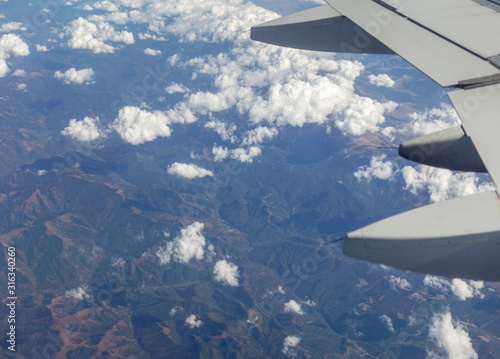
(456, 238)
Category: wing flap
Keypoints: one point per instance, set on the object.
(319, 29)
(479, 110)
(455, 238)
(465, 22)
(439, 58)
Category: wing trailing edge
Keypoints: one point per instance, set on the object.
(319, 29)
(455, 238)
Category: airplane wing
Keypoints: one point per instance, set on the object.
(455, 43)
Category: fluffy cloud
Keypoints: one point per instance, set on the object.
(459, 287)
(289, 345)
(192, 322)
(152, 52)
(85, 34)
(188, 171)
(220, 153)
(78, 293)
(442, 184)
(189, 244)
(293, 307)
(377, 169)
(41, 48)
(11, 45)
(138, 126)
(176, 88)
(436, 282)
(258, 135)
(387, 321)
(85, 130)
(105, 5)
(309, 303)
(13, 26)
(19, 72)
(76, 76)
(364, 115)
(246, 155)
(463, 290)
(194, 21)
(435, 119)
(451, 337)
(399, 282)
(226, 272)
(381, 80)
(226, 132)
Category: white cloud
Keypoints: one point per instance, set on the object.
(289, 345)
(246, 155)
(387, 321)
(219, 153)
(175, 310)
(13, 26)
(463, 290)
(433, 120)
(190, 171)
(187, 245)
(293, 307)
(21, 87)
(79, 293)
(176, 88)
(41, 172)
(226, 131)
(436, 282)
(41, 48)
(105, 5)
(451, 337)
(381, 80)
(138, 126)
(399, 282)
(258, 135)
(85, 130)
(152, 52)
(192, 322)
(194, 21)
(11, 45)
(442, 184)
(76, 76)
(133, 4)
(459, 287)
(309, 303)
(84, 34)
(19, 72)
(378, 169)
(226, 272)
(364, 115)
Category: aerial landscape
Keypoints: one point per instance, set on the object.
(167, 184)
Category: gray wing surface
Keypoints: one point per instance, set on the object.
(457, 44)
